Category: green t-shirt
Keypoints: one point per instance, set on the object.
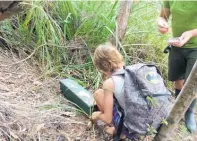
(184, 18)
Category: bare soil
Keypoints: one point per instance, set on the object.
(32, 107)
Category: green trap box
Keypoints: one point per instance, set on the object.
(77, 94)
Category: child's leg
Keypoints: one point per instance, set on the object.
(110, 130)
(99, 98)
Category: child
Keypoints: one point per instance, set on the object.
(128, 88)
(108, 60)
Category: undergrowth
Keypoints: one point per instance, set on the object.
(63, 35)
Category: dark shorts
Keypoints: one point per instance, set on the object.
(180, 62)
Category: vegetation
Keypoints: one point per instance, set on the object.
(63, 35)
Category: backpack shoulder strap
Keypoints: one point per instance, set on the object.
(120, 125)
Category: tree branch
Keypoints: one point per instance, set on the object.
(181, 105)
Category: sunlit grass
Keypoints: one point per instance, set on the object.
(54, 24)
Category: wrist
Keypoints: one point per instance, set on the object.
(162, 24)
(96, 115)
(194, 32)
(162, 18)
(99, 113)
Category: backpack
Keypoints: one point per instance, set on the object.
(147, 100)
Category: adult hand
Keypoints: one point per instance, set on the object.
(95, 116)
(162, 25)
(184, 38)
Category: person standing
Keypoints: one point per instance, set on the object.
(183, 53)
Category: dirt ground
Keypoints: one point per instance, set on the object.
(32, 107)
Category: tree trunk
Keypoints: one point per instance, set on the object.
(181, 105)
(122, 21)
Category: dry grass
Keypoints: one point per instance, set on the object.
(32, 108)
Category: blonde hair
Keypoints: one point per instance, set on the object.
(107, 58)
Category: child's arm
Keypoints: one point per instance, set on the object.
(107, 114)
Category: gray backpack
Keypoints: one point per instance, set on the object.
(147, 100)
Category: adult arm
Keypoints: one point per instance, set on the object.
(185, 37)
(163, 18)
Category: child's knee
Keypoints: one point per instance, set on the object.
(98, 92)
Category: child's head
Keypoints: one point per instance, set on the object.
(107, 58)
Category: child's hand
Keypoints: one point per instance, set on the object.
(162, 25)
(95, 116)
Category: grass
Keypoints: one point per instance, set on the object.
(53, 28)
(85, 24)
(143, 42)
(62, 36)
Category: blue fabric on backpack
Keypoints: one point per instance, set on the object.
(116, 121)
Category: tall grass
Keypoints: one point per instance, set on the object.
(49, 26)
(143, 42)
